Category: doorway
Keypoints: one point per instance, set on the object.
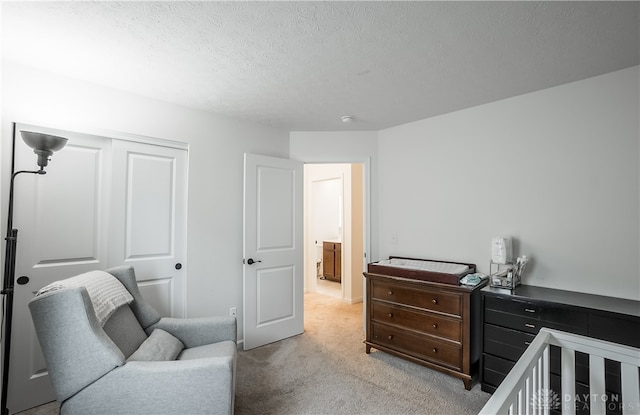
(334, 230)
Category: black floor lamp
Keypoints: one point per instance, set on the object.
(44, 145)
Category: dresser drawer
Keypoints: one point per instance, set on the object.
(420, 346)
(533, 325)
(562, 316)
(433, 324)
(431, 299)
(615, 328)
(495, 369)
(504, 342)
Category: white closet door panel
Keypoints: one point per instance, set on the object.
(149, 206)
(149, 213)
(62, 231)
(63, 210)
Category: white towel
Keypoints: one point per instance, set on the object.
(106, 292)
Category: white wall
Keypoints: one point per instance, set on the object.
(216, 147)
(446, 184)
(327, 207)
(345, 147)
(557, 169)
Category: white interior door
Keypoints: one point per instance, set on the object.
(62, 231)
(272, 250)
(149, 221)
(104, 202)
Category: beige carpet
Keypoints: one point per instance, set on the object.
(326, 371)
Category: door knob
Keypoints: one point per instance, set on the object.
(23, 280)
(250, 261)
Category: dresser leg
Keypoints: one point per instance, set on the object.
(367, 349)
(467, 384)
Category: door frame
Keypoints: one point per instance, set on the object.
(366, 225)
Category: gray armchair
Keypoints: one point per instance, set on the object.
(136, 362)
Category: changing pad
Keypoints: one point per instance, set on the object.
(425, 265)
(446, 272)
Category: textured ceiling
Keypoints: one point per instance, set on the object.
(301, 65)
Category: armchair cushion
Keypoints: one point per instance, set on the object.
(125, 330)
(160, 346)
(198, 331)
(200, 386)
(220, 349)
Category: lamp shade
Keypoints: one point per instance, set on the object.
(44, 145)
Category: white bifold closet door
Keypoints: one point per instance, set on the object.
(105, 201)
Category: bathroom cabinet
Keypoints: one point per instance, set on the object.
(332, 260)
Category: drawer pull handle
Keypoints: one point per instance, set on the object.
(434, 301)
(391, 337)
(390, 292)
(435, 350)
(531, 326)
(390, 315)
(529, 310)
(527, 343)
(435, 326)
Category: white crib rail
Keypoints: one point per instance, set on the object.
(526, 389)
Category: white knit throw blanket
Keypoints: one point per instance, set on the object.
(106, 292)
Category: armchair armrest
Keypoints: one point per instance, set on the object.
(69, 331)
(199, 331)
(170, 387)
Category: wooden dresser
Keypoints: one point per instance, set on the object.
(512, 320)
(433, 324)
